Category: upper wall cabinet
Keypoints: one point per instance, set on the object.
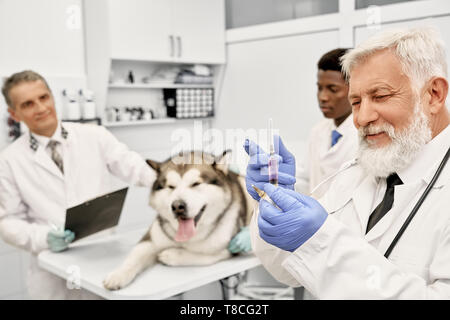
(140, 29)
(191, 31)
(149, 32)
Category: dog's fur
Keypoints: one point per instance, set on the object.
(210, 193)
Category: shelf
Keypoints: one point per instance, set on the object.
(93, 120)
(139, 122)
(150, 122)
(158, 86)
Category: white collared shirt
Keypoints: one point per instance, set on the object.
(43, 141)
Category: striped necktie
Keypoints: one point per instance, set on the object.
(56, 157)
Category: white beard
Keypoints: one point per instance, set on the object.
(397, 155)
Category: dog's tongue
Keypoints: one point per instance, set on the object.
(186, 230)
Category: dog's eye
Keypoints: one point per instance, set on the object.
(171, 187)
(214, 181)
(195, 184)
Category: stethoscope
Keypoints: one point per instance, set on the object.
(414, 210)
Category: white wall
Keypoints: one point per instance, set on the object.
(274, 78)
(44, 35)
(441, 23)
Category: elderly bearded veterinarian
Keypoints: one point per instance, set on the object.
(382, 231)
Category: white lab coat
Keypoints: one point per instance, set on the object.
(322, 160)
(34, 193)
(340, 261)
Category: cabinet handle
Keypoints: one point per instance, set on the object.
(172, 46)
(180, 48)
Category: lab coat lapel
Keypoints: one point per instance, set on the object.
(362, 199)
(401, 199)
(45, 161)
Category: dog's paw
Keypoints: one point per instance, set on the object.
(117, 279)
(171, 257)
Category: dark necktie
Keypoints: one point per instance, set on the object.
(335, 136)
(387, 202)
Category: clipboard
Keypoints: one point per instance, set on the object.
(95, 215)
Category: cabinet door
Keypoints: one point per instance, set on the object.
(140, 30)
(199, 29)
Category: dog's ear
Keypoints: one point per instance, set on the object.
(222, 161)
(154, 164)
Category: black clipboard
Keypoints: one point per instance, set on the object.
(95, 215)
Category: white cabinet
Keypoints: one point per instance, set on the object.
(199, 30)
(142, 36)
(191, 31)
(140, 29)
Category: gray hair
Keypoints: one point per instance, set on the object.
(17, 78)
(421, 52)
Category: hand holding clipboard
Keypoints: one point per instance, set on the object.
(95, 215)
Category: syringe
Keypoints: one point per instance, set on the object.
(263, 195)
(273, 164)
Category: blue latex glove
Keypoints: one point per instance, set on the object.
(241, 242)
(299, 218)
(257, 169)
(58, 240)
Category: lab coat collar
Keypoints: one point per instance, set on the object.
(40, 155)
(37, 140)
(346, 126)
(427, 161)
(402, 199)
(346, 129)
(42, 158)
(363, 197)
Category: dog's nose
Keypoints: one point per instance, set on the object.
(179, 208)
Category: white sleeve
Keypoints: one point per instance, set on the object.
(16, 228)
(270, 256)
(124, 163)
(335, 263)
(302, 176)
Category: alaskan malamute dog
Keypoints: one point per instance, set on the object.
(200, 206)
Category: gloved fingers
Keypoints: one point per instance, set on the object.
(273, 215)
(58, 248)
(69, 236)
(259, 160)
(284, 244)
(234, 250)
(258, 175)
(300, 197)
(56, 234)
(268, 210)
(286, 179)
(262, 175)
(233, 247)
(284, 228)
(272, 239)
(281, 198)
(283, 151)
(252, 148)
(237, 246)
(252, 191)
(267, 228)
